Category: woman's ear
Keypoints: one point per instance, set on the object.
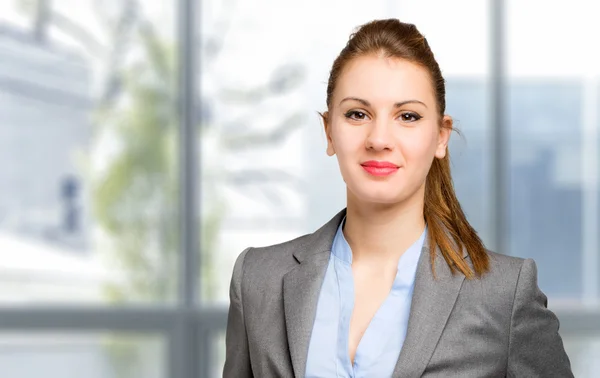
(327, 126)
(444, 137)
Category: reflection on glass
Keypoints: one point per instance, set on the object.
(82, 355)
(88, 148)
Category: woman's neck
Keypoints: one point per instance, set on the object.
(381, 233)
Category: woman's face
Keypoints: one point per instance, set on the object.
(384, 127)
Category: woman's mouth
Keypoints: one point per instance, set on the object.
(379, 168)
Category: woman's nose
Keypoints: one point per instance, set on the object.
(379, 136)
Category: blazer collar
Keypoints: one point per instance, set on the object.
(432, 302)
(431, 305)
(301, 287)
(320, 241)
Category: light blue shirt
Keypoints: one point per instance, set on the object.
(380, 346)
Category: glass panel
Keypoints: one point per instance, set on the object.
(265, 175)
(584, 354)
(78, 355)
(545, 180)
(88, 151)
(554, 145)
(467, 102)
(218, 355)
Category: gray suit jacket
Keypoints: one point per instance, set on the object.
(495, 326)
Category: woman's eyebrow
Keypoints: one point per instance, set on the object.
(399, 104)
(396, 105)
(364, 102)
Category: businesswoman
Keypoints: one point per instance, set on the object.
(397, 284)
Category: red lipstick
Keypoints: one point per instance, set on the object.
(379, 168)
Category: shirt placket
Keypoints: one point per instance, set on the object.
(346, 290)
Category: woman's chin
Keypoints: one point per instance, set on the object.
(379, 198)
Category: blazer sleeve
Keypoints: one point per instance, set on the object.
(237, 356)
(535, 347)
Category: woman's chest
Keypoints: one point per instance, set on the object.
(359, 326)
(371, 290)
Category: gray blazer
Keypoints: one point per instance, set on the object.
(495, 326)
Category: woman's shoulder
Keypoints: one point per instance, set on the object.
(504, 269)
(507, 273)
(502, 264)
(278, 259)
(522, 270)
(272, 259)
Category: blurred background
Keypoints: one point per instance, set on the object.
(144, 144)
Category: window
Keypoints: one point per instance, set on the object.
(144, 145)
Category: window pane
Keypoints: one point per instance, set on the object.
(546, 195)
(554, 128)
(265, 175)
(467, 102)
(584, 353)
(218, 361)
(78, 355)
(88, 152)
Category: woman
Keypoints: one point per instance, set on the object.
(398, 283)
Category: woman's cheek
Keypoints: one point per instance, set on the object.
(419, 146)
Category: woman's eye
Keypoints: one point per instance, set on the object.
(410, 117)
(356, 115)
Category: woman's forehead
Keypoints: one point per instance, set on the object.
(384, 79)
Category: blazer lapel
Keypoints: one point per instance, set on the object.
(301, 288)
(432, 303)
